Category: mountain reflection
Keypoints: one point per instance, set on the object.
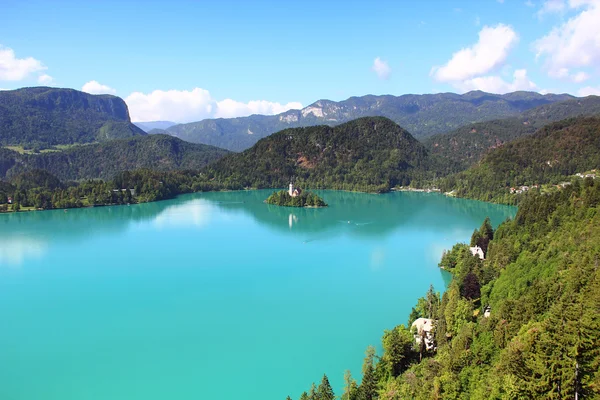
(24, 235)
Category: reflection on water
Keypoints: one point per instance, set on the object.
(15, 250)
(25, 235)
(195, 212)
(159, 300)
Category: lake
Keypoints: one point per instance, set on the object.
(214, 295)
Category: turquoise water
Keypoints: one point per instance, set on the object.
(215, 295)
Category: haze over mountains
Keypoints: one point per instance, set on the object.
(422, 115)
(150, 125)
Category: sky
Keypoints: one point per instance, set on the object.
(185, 61)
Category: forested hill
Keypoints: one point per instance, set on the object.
(43, 116)
(366, 154)
(551, 154)
(466, 145)
(538, 339)
(422, 115)
(105, 160)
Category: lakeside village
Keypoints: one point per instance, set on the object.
(545, 187)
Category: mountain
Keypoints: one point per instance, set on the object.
(371, 153)
(466, 145)
(550, 155)
(104, 160)
(423, 115)
(43, 117)
(150, 125)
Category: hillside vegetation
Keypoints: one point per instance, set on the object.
(40, 117)
(107, 159)
(548, 156)
(369, 154)
(466, 145)
(422, 115)
(541, 282)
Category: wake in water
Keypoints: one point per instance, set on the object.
(352, 223)
(349, 223)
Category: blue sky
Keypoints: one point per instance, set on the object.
(184, 60)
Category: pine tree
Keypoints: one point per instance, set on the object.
(368, 386)
(324, 391)
(312, 393)
(350, 387)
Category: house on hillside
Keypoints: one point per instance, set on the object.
(477, 251)
(10, 200)
(294, 191)
(423, 328)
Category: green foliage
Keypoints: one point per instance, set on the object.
(465, 146)
(541, 280)
(40, 117)
(547, 157)
(368, 154)
(324, 391)
(40, 190)
(105, 160)
(423, 115)
(304, 199)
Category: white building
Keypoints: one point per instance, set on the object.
(294, 191)
(477, 251)
(424, 329)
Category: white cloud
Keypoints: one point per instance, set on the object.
(196, 105)
(94, 87)
(552, 7)
(588, 91)
(530, 3)
(45, 79)
(580, 77)
(230, 108)
(487, 54)
(16, 69)
(495, 84)
(381, 68)
(573, 44)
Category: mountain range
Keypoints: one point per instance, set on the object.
(550, 155)
(465, 146)
(150, 125)
(422, 115)
(368, 154)
(44, 117)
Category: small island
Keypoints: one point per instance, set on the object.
(295, 197)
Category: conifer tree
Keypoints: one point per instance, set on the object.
(368, 386)
(324, 391)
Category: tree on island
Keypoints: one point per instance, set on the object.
(305, 199)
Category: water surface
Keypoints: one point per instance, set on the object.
(214, 295)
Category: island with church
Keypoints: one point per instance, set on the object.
(295, 197)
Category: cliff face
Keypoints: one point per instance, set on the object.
(51, 116)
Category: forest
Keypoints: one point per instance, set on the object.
(42, 117)
(105, 160)
(523, 323)
(368, 154)
(550, 156)
(304, 199)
